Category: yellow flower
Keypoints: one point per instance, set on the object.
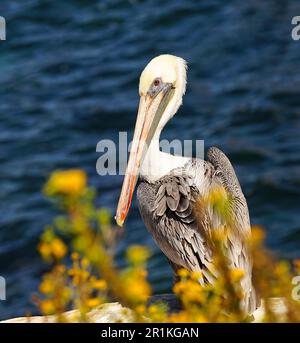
(47, 286)
(45, 250)
(137, 288)
(257, 235)
(217, 195)
(183, 273)
(47, 307)
(137, 254)
(100, 284)
(69, 182)
(236, 274)
(75, 256)
(66, 294)
(60, 268)
(153, 309)
(58, 248)
(76, 280)
(282, 268)
(140, 309)
(93, 302)
(196, 275)
(85, 263)
(179, 287)
(193, 293)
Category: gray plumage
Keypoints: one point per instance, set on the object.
(167, 207)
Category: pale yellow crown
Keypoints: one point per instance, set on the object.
(171, 69)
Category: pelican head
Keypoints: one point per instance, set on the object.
(162, 85)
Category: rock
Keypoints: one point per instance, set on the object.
(106, 313)
(278, 307)
(116, 313)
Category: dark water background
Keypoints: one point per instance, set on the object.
(69, 77)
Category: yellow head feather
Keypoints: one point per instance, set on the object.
(171, 69)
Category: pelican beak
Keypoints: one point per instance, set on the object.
(151, 108)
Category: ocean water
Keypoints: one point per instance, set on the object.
(69, 78)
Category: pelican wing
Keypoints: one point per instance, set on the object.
(225, 176)
(235, 217)
(167, 210)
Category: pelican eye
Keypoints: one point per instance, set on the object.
(156, 87)
(156, 82)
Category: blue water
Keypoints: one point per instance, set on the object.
(69, 77)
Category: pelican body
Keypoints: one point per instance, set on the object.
(174, 191)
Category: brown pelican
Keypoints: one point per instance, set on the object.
(172, 188)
